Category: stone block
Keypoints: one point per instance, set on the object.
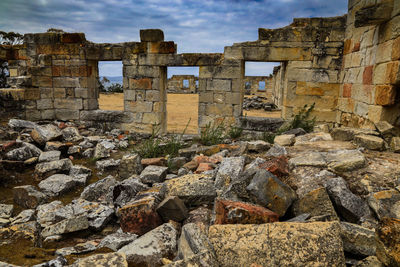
(90, 104)
(206, 97)
(46, 93)
(368, 74)
(393, 72)
(68, 103)
(32, 94)
(385, 95)
(161, 47)
(347, 89)
(44, 104)
(66, 82)
(219, 110)
(141, 83)
(373, 14)
(151, 118)
(152, 95)
(138, 106)
(59, 92)
(42, 81)
(396, 49)
(384, 52)
(219, 85)
(48, 114)
(67, 114)
(151, 35)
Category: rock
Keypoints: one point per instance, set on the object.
(278, 166)
(300, 218)
(347, 134)
(55, 146)
(161, 161)
(193, 189)
(345, 160)
(202, 259)
(172, 208)
(28, 197)
(307, 179)
(285, 139)
(103, 149)
(153, 174)
(71, 134)
(80, 248)
(268, 191)
(357, 240)
(129, 165)
(23, 217)
(385, 204)
(283, 244)
(66, 226)
(57, 262)
(200, 216)
(46, 213)
(385, 129)
(234, 212)
(117, 240)
(26, 151)
(108, 259)
(387, 242)
(49, 156)
(43, 134)
(149, 249)
(276, 151)
(88, 153)
(258, 146)
(107, 164)
(316, 203)
(296, 132)
(229, 171)
(57, 184)
(313, 159)
(204, 167)
(123, 192)
(86, 144)
(48, 168)
(139, 215)
(349, 206)
(6, 211)
(80, 173)
(395, 144)
(194, 241)
(74, 150)
(371, 261)
(177, 162)
(311, 138)
(26, 232)
(370, 142)
(22, 124)
(98, 190)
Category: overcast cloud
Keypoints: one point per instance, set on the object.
(195, 25)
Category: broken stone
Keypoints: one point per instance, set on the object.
(172, 208)
(350, 206)
(107, 259)
(193, 189)
(153, 174)
(313, 159)
(103, 149)
(66, 226)
(318, 243)
(347, 134)
(88, 153)
(258, 146)
(80, 173)
(387, 241)
(276, 151)
(117, 240)
(107, 164)
(312, 137)
(385, 129)
(43, 134)
(98, 190)
(370, 261)
(123, 192)
(21, 124)
(47, 156)
(27, 231)
(23, 217)
(50, 146)
(177, 162)
(6, 211)
(57, 262)
(130, 164)
(81, 248)
(73, 150)
(28, 197)
(229, 171)
(150, 248)
(48, 168)
(234, 212)
(57, 184)
(200, 216)
(357, 240)
(267, 190)
(285, 139)
(395, 144)
(278, 166)
(46, 213)
(154, 161)
(369, 141)
(300, 218)
(345, 160)
(26, 151)
(71, 134)
(385, 204)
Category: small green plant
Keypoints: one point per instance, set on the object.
(302, 119)
(235, 132)
(150, 148)
(212, 134)
(269, 137)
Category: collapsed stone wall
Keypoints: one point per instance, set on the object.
(176, 85)
(370, 79)
(252, 85)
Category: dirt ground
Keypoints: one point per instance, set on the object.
(180, 109)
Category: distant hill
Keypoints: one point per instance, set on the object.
(114, 79)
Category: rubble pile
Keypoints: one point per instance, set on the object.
(258, 102)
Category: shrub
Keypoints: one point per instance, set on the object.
(301, 119)
(269, 137)
(212, 134)
(235, 132)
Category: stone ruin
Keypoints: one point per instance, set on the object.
(252, 85)
(348, 66)
(183, 84)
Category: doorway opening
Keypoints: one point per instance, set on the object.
(182, 100)
(110, 85)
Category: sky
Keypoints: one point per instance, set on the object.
(196, 26)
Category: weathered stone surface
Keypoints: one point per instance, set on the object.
(149, 249)
(200, 216)
(98, 190)
(201, 259)
(24, 216)
(276, 151)
(285, 139)
(80, 248)
(278, 166)
(172, 208)
(28, 197)
(103, 149)
(395, 144)
(49, 156)
(71, 134)
(107, 164)
(21, 124)
(387, 242)
(350, 206)
(160, 161)
(151, 35)
(284, 244)
(57, 262)
(153, 174)
(313, 159)
(125, 191)
(258, 146)
(385, 128)
(348, 134)
(267, 190)
(357, 240)
(345, 160)
(193, 189)
(369, 141)
(233, 212)
(108, 259)
(130, 164)
(66, 226)
(316, 203)
(47, 168)
(370, 261)
(229, 171)
(46, 213)
(43, 134)
(27, 231)
(26, 151)
(6, 211)
(80, 173)
(385, 204)
(57, 184)
(117, 240)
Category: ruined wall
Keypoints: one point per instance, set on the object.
(176, 85)
(371, 77)
(253, 85)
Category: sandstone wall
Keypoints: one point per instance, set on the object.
(176, 85)
(253, 85)
(371, 77)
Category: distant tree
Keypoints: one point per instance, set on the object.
(4, 73)
(55, 30)
(7, 38)
(115, 88)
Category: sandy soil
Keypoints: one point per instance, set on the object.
(180, 109)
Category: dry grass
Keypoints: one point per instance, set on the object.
(180, 108)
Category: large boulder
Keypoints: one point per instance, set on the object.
(278, 244)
